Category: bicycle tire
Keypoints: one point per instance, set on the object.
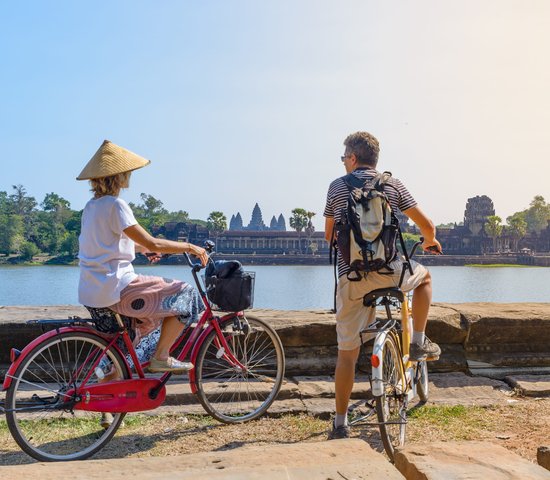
(53, 433)
(422, 385)
(391, 405)
(233, 396)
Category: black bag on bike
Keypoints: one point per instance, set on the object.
(367, 230)
(104, 321)
(228, 286)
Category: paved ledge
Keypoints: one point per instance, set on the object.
(339, 459)
(465, 460)
(497, 339)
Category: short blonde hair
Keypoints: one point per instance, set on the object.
(110, 185)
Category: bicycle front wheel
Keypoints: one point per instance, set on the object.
(391, 408)
(40, 416)
(232, 394)
(422, 386)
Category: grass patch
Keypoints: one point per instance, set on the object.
(498, 265)
(438, 414)
(456, 422)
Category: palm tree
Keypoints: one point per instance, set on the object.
(310, 229)
(493, 228)
(517, 227)
(298, 221)
(216, 223)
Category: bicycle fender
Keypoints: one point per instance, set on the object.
(376, 379)
(45, 336)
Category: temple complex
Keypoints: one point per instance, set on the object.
(256, 238)
(470, 238)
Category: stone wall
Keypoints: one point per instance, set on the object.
(487, 338)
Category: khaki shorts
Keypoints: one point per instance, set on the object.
(352, 316)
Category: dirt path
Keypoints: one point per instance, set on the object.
(521, 426)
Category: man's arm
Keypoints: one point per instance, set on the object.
(426, 227)
(329, 226)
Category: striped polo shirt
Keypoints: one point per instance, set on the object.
(337, 198)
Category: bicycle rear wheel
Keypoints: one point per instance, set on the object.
(41, 417)
(391, 407)
(228, 393)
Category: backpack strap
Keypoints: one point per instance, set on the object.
(381, 180)
(332, 253)
(353, 182)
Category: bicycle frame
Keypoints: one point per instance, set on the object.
(402, 340)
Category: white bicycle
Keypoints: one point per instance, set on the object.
(395, 380)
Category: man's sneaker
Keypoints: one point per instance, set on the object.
(429, 351)
(336, 433)
(107, 420)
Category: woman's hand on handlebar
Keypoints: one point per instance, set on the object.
(199, 252)
(153, 257)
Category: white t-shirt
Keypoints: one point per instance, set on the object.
(106, 253)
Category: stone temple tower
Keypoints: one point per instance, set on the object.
(281, 224)
(256, 222)
(236, 222)
(476, 213)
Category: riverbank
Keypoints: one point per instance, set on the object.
(38, 260)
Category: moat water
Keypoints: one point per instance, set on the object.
(290, 287)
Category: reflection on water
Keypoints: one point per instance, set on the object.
(286, 287)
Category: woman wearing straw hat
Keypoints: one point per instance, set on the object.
(109, 238)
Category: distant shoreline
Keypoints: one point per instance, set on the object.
(311, 260)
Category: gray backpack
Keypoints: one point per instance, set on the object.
(368, 228)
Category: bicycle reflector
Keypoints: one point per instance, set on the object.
(375, 361)
(14, 354)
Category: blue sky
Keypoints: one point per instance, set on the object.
(237, 102)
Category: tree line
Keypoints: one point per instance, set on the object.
(28, 228)
(52, 227)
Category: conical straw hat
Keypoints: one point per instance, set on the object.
(111, 159)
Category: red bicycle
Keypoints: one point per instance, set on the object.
(56, 389)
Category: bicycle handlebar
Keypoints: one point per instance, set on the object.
(197, 267)
(415, 246)
(432, 248)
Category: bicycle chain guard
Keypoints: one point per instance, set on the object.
(119, 396)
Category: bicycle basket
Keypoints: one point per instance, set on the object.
(231, 294)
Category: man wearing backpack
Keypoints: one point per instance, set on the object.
(360, 160)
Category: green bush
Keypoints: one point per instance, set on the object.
(28, 250)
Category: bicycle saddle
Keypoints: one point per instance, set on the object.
(369, 300)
